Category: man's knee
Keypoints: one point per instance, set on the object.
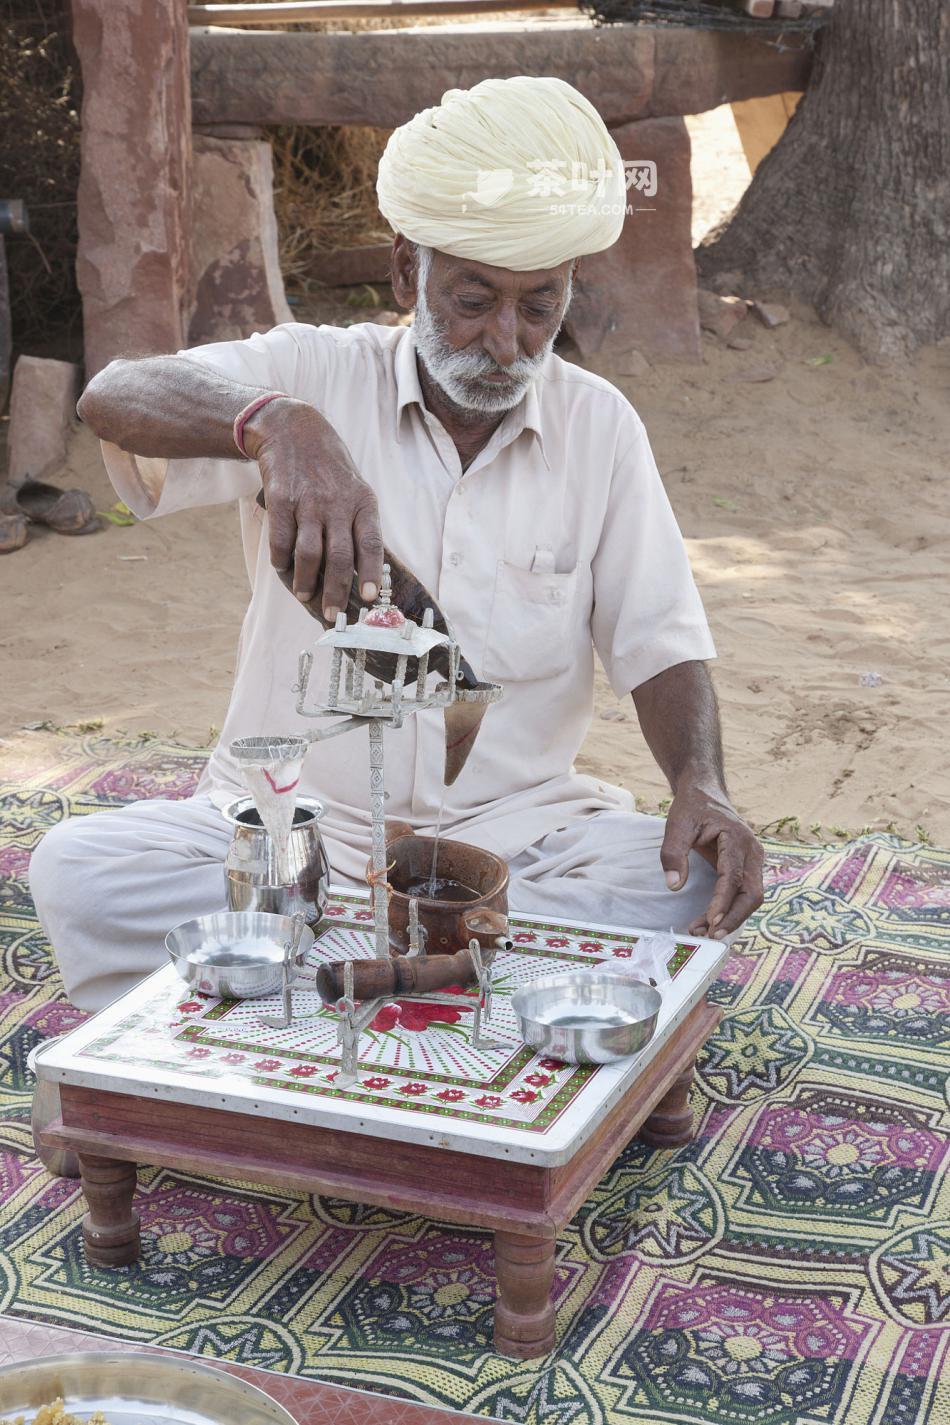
(62, 866)
(45, 871)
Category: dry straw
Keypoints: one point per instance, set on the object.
(324, 195)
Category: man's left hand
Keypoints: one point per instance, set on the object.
(702, 819)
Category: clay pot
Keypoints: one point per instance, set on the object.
(449, 925)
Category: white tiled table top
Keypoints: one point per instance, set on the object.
(420, 1079)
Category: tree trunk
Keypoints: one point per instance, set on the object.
(851, 209)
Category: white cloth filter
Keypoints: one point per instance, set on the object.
(271, 770)
(518, 173)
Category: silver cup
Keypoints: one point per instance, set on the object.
(255, 880)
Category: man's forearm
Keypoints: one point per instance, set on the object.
(322, 515)
(169, 407)
(679, 717)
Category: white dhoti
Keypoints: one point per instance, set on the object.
(108, 887)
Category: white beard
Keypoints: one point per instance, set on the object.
(459, 374)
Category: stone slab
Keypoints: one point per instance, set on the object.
(641, 293)
(383, 77)
(42, 407)
(133, 199)
(238, 284)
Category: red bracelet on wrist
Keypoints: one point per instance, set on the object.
(242, 417)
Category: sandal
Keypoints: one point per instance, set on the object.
(65, 511)
(14, 532)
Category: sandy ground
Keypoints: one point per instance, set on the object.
(815, 512)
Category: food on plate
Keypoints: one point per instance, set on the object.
(56, 1414)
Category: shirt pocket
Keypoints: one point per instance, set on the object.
(531, 625)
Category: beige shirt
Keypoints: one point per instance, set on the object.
(558, 539)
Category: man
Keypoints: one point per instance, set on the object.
(519, 489)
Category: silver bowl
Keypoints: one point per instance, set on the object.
(587, 1017)
(235, 954)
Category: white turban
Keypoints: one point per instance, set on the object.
(519, 173)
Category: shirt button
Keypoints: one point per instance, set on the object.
(455, 559)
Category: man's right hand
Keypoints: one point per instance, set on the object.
(319, 508)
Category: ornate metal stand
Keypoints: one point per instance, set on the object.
(377, 707)
(354, 1018)
(382, 630)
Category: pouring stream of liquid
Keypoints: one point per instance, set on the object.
(435, 849)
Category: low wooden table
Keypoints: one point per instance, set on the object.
(504, 1139)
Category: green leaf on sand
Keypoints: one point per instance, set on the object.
(119, 513)
(825, 360)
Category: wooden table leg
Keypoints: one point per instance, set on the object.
(110, 1229)
(670, 1125)
(524, 1312)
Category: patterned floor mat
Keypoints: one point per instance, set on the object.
(791, 1265)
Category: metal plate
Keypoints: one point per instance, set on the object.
(136, 1389)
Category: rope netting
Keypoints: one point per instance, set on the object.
(704, 14)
